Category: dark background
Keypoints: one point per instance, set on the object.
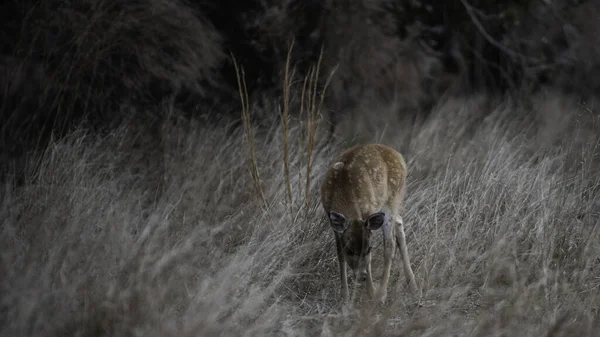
(70, 63)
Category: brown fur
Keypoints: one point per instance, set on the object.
(363, 181)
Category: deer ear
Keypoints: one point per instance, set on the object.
(375, 221)
(338, 221)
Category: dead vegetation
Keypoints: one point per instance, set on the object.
(502, 223)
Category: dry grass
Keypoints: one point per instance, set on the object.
(502, 218)
(245, 111)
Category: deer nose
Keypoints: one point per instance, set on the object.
(361, 276)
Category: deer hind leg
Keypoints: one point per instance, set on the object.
(342, 265)
(401, 242)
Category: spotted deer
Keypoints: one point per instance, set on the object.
(362, 192)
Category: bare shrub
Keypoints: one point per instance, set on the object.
(375, 65)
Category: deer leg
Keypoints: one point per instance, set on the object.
(401, 242)
(342, 264)
(388, 256)
(370, 286)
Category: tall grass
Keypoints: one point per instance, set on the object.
(502, 218)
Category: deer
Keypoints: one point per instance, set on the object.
(362, 192)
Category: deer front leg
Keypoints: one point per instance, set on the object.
(401, 241)
(370, 286)
(388, 256)
(342, 264)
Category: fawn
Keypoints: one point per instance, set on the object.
(363, 192)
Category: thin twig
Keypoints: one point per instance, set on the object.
(243, 89)
(286, 109)
(470, 10)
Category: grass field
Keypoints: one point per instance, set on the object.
(502, 212)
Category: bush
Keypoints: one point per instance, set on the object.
(83, 60)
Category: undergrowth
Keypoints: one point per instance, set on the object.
(501, 212)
